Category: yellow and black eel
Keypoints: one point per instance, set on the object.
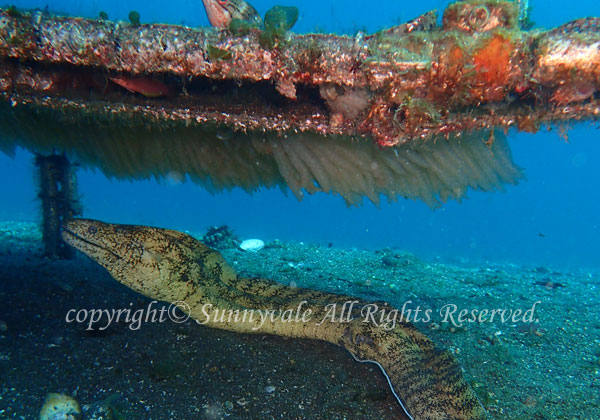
(171, 266)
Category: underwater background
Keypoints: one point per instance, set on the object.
(536, 243)
(551, 218)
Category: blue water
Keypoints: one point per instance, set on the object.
(551, 218)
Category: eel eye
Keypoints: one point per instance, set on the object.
(92, 229)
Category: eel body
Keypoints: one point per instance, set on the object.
(171, 266)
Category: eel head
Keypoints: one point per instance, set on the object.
(159, 263)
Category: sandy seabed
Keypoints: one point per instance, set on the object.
(545, 369)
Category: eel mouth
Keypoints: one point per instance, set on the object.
(85, 245)
(74, 240)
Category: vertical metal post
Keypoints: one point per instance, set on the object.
(58, 196)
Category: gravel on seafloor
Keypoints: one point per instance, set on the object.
(543, 370)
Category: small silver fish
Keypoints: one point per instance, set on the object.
(221, 12)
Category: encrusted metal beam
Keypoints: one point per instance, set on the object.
(418, 80)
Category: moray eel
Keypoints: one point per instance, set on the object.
(171, 266)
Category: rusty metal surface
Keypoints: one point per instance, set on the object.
(478, 70)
